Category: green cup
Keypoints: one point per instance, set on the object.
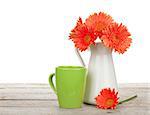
(70, 85)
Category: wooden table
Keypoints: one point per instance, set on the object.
(39, 99)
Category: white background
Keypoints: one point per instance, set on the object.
(34, 37)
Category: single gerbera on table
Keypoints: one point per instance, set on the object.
(108, 99)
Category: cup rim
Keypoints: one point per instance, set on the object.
(70, 67)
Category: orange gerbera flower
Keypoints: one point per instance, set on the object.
(117, 37)
(107, 99)
(99, 22)
(82, 36)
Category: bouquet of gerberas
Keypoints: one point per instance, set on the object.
(113, 35)
(101, 26)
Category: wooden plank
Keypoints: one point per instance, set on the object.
(88, 110)
(47, 102)
(26, 93)
(26, 96)
(42, 85)
(26, 90)
(49, 90)
(134, 85)
(23, 85)
(28, 103)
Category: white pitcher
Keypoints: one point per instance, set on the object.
(101, 72)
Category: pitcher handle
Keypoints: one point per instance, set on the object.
(80, 58)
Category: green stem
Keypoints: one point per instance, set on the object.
(126, 100)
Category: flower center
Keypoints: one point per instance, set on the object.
(109, 102)
(87, 38)
(116, 38)
(99, 27)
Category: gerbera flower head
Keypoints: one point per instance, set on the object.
(107, 99)
(98, 22)
(116, 37)
(82, 36)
